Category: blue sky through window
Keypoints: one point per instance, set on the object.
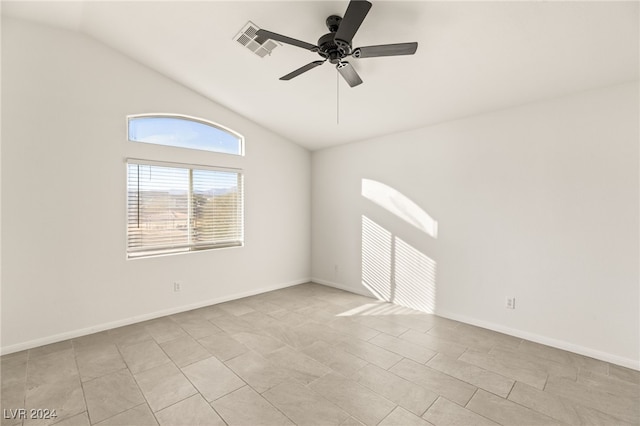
(183, 133)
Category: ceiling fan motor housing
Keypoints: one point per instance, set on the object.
(332, 48)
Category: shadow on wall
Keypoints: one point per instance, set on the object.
(392, 269)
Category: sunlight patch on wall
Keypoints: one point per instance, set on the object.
(396, 272)
(397, 203)
(415, 278)
(376, 258)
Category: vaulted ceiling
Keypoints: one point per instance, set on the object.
(473, 57)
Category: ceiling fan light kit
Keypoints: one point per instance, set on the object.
(336, 45)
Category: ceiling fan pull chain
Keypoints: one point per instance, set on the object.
(337, 97)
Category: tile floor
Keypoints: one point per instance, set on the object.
(312, 355)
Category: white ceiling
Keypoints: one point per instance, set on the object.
(473, 57)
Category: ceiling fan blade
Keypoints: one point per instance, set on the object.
(263, 35)
(349, 73)
(353, 17)
(300, 70)
(386, 50)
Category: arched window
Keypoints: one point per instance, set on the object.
(184, 132)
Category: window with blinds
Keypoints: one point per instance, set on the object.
(178, 208)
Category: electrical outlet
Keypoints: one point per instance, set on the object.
(510, 303)
(177, 286)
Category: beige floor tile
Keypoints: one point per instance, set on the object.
(404, 348)
(357, 400)
(440, 383)
(324, 333)
(446, 413)
(144, 356)
(558, 407)
(339, 343)
(370, 353)
(231, 324)
(624, 373)
(212, 378)
(223, 346)
(49, 349)
(506, 412)
(497, 339)
(184, 351)
(304, 406)
(316, 314)
(246, 407)
(138, 416)
(434, 343)
(164, 329)
(97, 360)
(257, 371)
(13, 378)
(163, 386)
(407, 394)
(472, 374)
(623, 407)
(609, 384)
(516, 368)
(199, 328)
(12, 399)
(236, 307)
(290, 318)
(260, 320)
(209, 312)
(334, 358)
(517, 358)
(81, 419)
(112, 394)
(467, 339)
(290, 335)
(65, 396)
(297, 365)
(351, 421)
(193, 411)
(53, 367)
(384, 323)
(129, 335)
(348, 325)
(262, 305)
(259, 341)
(401, 417)
(564, 357)
(13, 370)
(92, 341)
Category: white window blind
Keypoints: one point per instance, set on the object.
(177, 208)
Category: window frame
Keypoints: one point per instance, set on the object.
(190, 248)
(185, 117)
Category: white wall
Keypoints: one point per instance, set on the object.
(538, 202)
(64, 102)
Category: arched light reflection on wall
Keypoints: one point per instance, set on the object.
(398, 204)
(396, 272)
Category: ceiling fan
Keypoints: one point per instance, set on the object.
(336, 45)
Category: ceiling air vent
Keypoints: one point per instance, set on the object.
(247, 38)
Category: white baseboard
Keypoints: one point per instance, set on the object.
(139, 318)
(559, 344)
